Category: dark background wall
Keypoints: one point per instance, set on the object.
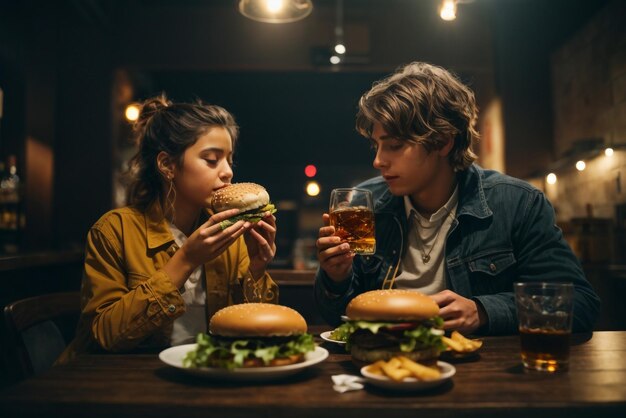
(59, 66)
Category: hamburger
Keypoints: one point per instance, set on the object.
(252, 335)
(251, 199)
(386, 323)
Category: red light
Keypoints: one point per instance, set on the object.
(310, 170)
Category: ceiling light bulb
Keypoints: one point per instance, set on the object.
(608, 152)
(551, 178)
(340, 49)
(274, 6)
(275, 11)
(448, 10)
(580, 165)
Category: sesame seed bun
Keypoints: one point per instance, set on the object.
(242, 196)
(392, 305)
(257, 320)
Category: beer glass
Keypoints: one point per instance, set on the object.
(545, 312)
(351, 213)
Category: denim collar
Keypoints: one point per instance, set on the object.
(472, 200)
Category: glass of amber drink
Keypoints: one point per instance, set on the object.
(352, 215)
(544, 311)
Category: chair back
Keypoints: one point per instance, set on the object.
(39, 328)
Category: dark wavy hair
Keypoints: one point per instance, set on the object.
(425, 104)
(171, 128)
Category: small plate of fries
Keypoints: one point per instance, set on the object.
(460, 347)
(401, 373)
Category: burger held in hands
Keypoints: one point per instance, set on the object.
(252, 335)
(251, 199)
(387, 323)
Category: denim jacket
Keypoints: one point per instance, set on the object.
(504, 232)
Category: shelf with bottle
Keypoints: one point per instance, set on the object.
(12, 220)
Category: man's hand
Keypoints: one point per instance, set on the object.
(334, 256)
(459, 313)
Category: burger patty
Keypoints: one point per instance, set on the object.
(363, 356)
(383, 339)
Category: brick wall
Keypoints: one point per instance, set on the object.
(589, 101)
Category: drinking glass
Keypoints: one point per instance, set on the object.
(545, 312)
(351, 213)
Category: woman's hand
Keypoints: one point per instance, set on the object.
(260, 239)
(206, 243)
(459, 313)
(334, 256)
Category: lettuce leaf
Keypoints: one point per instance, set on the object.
(215, 352)
(250, 217)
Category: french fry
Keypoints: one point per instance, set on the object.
(393, 363)
(420, 371)
(452, 344)
(376, 368)
(468, 345)
(393, 371)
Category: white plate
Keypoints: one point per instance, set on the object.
(326, 337)
(410, 383)
(173, 356)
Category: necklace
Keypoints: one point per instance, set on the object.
(425, 253)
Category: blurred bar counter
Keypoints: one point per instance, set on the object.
(30, 274)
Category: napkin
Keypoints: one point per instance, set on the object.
(347, 382)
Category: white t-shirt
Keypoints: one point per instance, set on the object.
(422, 267)
(193, 321)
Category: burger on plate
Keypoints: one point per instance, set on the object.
(252, 335)
(386, 323)
(251, 199)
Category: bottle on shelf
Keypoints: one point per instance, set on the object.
(11, 218)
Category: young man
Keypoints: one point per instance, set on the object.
(445, 226)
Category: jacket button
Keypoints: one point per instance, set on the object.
(171, 308)
(492, 267)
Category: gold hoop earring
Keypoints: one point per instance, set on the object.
(170, 198)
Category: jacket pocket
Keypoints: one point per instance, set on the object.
(492, 263)
(492, 272)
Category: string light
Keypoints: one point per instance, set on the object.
(312, 188)
(448, 10)
(551, 178)
(608, 152)
(580, 165)
(132, 112)
(310, 170)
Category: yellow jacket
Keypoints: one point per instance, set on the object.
(129, 302)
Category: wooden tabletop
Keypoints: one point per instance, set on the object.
(495, 384)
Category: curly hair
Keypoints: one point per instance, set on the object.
(171, 128)
(425, 104)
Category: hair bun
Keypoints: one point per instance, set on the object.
(149, 108)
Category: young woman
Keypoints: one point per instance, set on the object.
(157, 270)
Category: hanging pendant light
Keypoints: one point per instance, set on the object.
(275, 11)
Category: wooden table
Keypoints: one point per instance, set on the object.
(494, 385)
